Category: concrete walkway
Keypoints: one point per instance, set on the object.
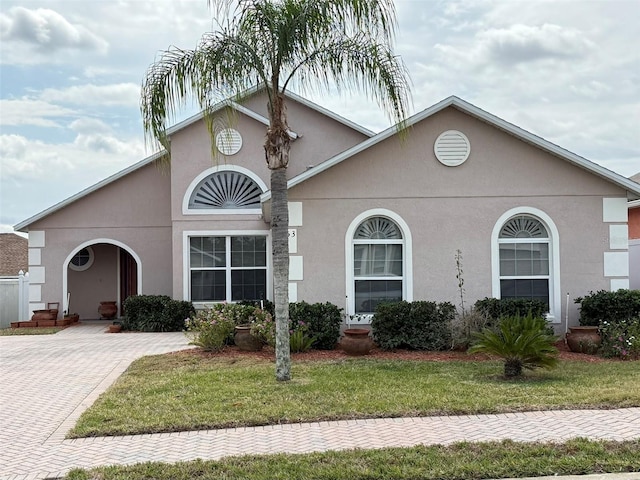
(46, 382)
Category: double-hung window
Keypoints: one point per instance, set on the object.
(524, 259)
(227, 268)
(377, 264)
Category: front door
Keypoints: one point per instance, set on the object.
(128, 277)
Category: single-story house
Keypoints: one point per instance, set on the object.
(373, 217)
(634, 240)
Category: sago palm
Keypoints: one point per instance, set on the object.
(523, 342)
(309, 44)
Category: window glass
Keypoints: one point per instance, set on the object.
(214, 279)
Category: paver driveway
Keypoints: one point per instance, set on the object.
(47, 381)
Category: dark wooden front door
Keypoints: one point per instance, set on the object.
(128, 277)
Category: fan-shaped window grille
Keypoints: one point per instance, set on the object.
(226, 190)
(377, 228)
(229, 141)
(523, 227)
(452, 148)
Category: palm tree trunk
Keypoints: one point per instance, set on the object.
(512, 368)
(280, 255)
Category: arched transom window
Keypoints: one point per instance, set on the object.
(378, 255)
(226, 190)
(525, 260)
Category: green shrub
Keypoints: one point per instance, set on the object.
(299, 341)
(496, 308)
(156, 313)
(211, 328)
(621, 339)
(417, 325)
(522, 342)
(608, 307)
(322, 320)
(266, 305)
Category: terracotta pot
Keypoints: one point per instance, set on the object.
(245, 341)
(115, 328)
(108, 310)
(356, 341)
(584, 339)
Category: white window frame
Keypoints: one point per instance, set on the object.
(407, 260)
(86, 266)
(555, 305)
(221, 211)
(186, 247)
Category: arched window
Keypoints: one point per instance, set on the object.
(524, 259)
(526, 263)
(226, 190)
(378, 266)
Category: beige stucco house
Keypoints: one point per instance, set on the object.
(372, 217)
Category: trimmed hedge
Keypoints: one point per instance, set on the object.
(496, 308)
(156, 313)
(609, 307)
(322, 319)
(417, 325)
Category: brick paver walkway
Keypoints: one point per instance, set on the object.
(47, 381)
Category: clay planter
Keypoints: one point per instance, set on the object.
(244, 340)
(15, 324)
(108, 310)
(584, 339)
(30, 324)
(356, 342)
(115, 328)
(65, 322)
(75, 318)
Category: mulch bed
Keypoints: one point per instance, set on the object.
(427, 356)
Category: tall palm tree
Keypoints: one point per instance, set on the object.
(309, 44)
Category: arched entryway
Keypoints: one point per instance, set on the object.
(100, 270)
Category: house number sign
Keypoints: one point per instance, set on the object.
(293, 240)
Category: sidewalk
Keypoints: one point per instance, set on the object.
(47, 381)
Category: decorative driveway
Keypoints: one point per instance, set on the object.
(47, 381)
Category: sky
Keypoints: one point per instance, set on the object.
(71, 70)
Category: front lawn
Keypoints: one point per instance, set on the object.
(188, 391)
(461, 461)
(4, 332)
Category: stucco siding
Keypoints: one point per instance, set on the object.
(450, 208)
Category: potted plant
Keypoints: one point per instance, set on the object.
(356, 341)
(584, 338)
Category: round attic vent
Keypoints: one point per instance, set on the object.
(452, 148)
(229, 141)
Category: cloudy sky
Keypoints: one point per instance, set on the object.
(71, 71)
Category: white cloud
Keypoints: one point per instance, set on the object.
(44, 32)
(27, 111)
(121, 94)
(86, 126)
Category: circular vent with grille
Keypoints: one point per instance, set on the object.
(452, 148)
(229, 141)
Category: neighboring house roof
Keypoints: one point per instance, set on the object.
(635, 203)
(14, 254)
(486, 117)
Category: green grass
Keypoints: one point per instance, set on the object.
(5, 332)
(462, 461)
(188, 392)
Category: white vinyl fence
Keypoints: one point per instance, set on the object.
(14, 299)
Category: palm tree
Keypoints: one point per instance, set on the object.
(521, 342)
(310, 44)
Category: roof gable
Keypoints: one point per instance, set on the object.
(482, 115)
